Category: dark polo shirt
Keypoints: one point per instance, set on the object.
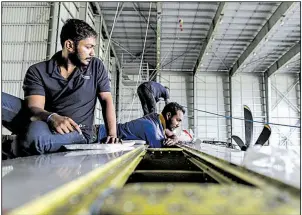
(74, 97)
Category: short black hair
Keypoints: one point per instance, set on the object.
(173, 107)
(76, 30)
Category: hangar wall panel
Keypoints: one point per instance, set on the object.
(285, 109)
(211, 96)
(24, 41)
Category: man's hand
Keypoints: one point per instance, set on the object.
(171, 141)
(112, 139)
(63, 124)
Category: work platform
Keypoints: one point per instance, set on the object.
(186, 179)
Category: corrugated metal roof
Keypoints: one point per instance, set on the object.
(185, 25)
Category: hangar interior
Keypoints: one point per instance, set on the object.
(215, 57)
(225, 55)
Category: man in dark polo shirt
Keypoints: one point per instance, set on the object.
(149, 94)
(60, 96)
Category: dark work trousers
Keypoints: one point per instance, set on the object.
(33, 137)
(147, 99)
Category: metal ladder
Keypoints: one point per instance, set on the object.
(131, 106)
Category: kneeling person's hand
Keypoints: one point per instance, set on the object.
(171, 141)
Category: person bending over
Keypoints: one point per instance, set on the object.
(156, 129)
(150, 93)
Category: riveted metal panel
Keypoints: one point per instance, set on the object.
(24, 41)
(13, 88)
(211, 96)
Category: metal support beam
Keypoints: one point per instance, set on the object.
(268, 96)
(138, 55)
(195, 106)
(122, 47)
(209, 39)
(117, 14)
(83, 11)
(53, 29)
(176, 70)
(98, 29)
(298, 92)
(158, 38)
(107, 34)
(276, 17)
(142, 15)
(120, 71)
(119, 96)
(288, 102)
(284, 95)
(286, 137)
(230, 121)
(295, 50)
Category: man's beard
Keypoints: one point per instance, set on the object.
(168, 124)
(75, 58)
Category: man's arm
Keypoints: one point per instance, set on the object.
(61, 124)
(109, 117)
(172, 139)
(36, 103)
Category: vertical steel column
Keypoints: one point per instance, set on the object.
(118, 95)
(158, 35)
(98, 29)
(119, 81)
(119, 98)
(53, 29)
(217, 108)
(195, 117)
(83, 11)
(230, 121)
(298, 91)
(268, 95)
